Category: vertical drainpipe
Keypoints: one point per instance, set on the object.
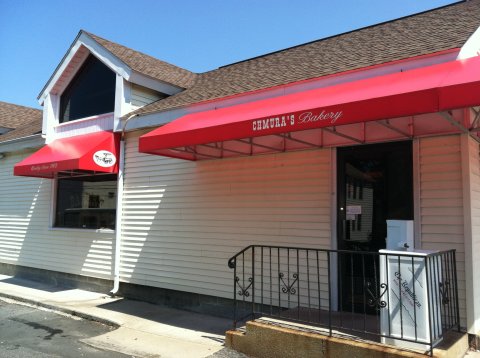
(118, 219)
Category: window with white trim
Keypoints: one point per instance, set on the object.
(91, 92)
(87, 202)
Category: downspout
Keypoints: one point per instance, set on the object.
(118, 219)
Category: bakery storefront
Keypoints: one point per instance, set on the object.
(376, 132)
(337, 190)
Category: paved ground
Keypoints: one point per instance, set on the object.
(137, 329)
(142, 329)
(30, 332)
(228, 353)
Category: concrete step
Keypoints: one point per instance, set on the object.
(265, 338)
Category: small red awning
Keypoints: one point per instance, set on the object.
(429, 89)
(87, 154)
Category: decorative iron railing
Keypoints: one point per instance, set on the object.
(393, 297)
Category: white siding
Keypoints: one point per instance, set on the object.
(472, 241)
(441, 202)
(102, 122)
(25, 237)
(183, 220)
(142, 96)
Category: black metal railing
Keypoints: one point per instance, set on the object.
(386, 296)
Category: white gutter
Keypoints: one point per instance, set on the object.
(118, 220)
(470, 48)
(16, 144)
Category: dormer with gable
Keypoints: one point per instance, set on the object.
(98, 82)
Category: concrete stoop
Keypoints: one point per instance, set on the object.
(262, 339)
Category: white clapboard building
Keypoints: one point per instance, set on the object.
(143, 178)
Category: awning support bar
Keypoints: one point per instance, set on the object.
(194, 152)
(453, 122)
(386, 124)
(256, 144)
(475, 121)
(222, 148)
(197, 153)
(288, 136)
(346, 136)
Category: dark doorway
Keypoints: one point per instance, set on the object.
(375, 184)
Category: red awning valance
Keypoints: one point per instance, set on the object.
(430, 89)
(86, 154)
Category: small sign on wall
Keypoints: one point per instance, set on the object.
(354, 210)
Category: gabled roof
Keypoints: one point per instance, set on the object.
(148, 65)
(24, 121)
(132, 65)
(429, 32)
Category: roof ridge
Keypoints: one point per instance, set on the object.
(95, 37)
(146, 64)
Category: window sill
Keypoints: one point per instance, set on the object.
(71, 229)
(108, 115)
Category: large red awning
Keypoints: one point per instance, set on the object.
(429, 89)
(83, 154)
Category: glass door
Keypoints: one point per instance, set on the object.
(375, 184)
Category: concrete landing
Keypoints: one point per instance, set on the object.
(264, 338)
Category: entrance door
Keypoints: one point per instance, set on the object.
(375, 184)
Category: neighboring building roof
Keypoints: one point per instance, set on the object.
(24, 121)
(429, 32)
(148, 65)
(31, 128)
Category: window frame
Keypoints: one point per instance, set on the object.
(53, 214)
(74, 80)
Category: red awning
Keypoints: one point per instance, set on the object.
(87, 154)
(430, 89)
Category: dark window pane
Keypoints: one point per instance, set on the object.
(86, 203)
(94, 201)
(91, 92)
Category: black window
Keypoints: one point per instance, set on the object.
(88, 202)
(91, 92)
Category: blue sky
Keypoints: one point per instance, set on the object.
(194, 34)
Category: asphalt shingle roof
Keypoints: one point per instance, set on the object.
(24, 121)
(148, 65)
(430, 32)
(425, 33)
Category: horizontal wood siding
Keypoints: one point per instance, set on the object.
(25, 237)
(441, 202)
(183, 220)
(142, 96)
(103, 122)
(474, 165)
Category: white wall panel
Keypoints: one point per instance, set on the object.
(27, 240)
(103, 122)
(442, 202)
(142, 96)
(471, 163)
(183, 220)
